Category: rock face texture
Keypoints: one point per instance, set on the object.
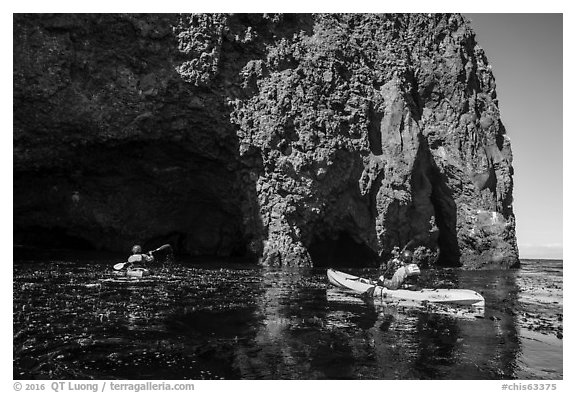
(298, 139)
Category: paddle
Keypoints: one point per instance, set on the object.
(120, 266)
(408, 244)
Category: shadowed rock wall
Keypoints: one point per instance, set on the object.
(278, 136)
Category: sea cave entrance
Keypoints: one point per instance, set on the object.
(341, 251)
(433, 201)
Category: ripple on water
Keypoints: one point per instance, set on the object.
(76, 321)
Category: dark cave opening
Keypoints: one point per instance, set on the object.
(183, 242)
(445, 213)
(342, 251)
(109, 197)
(38, 243)
(50, 238)
(432, 197)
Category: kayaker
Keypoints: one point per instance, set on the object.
(137, 259)
(161, 254)
(398, 270)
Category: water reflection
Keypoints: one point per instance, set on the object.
(339, 336)
(292, 312)
(73, 321)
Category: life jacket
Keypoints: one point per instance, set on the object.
(412, 279)
(140, 258)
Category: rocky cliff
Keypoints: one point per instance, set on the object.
(298, 139)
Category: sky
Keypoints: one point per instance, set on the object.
(525, 51)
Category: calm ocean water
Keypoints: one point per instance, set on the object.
(72, 320)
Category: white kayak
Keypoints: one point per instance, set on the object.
(389, 305)
(135, 272)
(464, 297)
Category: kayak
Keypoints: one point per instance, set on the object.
(464, 297)
(135, 272)
(337, 297)
(125, 282)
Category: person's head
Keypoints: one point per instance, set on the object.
(136, 249)
(406, 256)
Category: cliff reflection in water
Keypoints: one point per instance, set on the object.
(246, 322)
(308, 331)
